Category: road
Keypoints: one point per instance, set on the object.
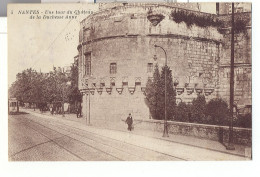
(32, 138)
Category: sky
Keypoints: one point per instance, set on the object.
(42, 44)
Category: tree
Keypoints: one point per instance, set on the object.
(33, 87)
(198, 109)
(155, 94)
(153, 88)
(74, 94)
(244, 121)
(218, 111)
(170, 93)
(52, 87)
(182, 112)
(27, 87)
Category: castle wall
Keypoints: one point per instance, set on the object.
(242, 60)
(125, 36)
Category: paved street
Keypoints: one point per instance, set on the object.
(32, 138)
(39, 137)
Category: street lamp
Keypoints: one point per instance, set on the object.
(86, 91)
(165, 130)
(176, 83)
(88, 95)
(90, 91)
(63, 114)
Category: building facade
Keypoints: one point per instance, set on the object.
(116, 57)
(226, 8)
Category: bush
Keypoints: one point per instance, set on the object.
(244, 121)
(198, 109)
(183, 112)
(191, 18)
(217, 110)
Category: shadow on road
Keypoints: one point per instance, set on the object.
(17, 113)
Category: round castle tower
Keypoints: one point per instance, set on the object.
(117, 55)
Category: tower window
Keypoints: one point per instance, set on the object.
(150, 67)
(87, 64)
(113, 68)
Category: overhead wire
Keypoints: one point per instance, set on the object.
(53, 42)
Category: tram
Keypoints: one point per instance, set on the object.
(13, 105)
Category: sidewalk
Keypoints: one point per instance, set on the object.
(114, 129)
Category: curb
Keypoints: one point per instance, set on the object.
(168, 140)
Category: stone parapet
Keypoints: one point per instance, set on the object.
(241, 136)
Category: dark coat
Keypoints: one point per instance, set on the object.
(129, 120)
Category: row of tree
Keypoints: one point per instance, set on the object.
(214, 112)
(199, 111)
(41, 88)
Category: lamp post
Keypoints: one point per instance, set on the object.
(88, 94)
(88, 91)
(176, 83)
(63, 114)
(165, 130)
(91, 91)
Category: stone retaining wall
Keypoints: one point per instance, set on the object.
(241, 136)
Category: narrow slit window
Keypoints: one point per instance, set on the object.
(113, 68)
(87, 64)
(150, 67)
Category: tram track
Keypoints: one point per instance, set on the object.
(53, 140)
(100, 141)
(100, 136)
(178, 142)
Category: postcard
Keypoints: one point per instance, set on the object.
(130, 82)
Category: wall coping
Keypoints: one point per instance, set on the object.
(172, 36)
(120, 6)
(193, 124)
(156, 5)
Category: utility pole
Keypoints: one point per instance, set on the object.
(89, 108)
(231, 103)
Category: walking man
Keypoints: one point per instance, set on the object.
(129, 121)
(79, 111)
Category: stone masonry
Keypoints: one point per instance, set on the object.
(124, 36)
